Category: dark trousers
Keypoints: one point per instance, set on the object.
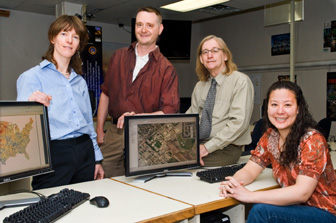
(267, 213)
(73, 161)
(222, 157)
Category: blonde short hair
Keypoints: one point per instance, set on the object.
(202, 73)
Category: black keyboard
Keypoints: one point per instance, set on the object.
(219, 174)
(49, 209)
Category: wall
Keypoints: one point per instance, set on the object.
(186, 69)
(22, 44)
(250, 44)
(24, 39)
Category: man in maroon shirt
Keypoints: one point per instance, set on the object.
(139, 80)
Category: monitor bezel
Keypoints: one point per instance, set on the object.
(46, 141)
(129, 173)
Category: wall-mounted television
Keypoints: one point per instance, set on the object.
(156, 145)
(175, 39)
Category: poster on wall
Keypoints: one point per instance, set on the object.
(286, 78)
(256, 81)
(329, 37)
(92, 65)
(333, 32)
(331, 95)
(280, 44)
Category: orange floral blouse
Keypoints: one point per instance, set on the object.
(313, 161)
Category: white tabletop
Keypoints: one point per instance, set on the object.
(194, 191)
(127, 204)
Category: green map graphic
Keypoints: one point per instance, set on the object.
(12, 141)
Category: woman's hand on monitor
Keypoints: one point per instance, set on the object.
(40, 97)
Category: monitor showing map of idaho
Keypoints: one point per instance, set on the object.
(21, 141)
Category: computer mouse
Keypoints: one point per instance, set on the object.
(100, 201)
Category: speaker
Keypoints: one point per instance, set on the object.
(67, 8)
(279, 13)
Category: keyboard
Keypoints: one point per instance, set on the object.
(219, 174)
(51, 208)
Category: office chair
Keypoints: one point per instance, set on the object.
(258, 131)
(185, 104)
(324, 126)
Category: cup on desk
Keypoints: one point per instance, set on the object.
(332, 146)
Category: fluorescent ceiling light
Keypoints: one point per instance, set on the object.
(189, 5)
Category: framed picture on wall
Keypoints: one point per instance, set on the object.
(286, 78)
(329, 37)
(280, 44)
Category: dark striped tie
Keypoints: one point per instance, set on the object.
(206, 119)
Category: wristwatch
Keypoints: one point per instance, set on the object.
(99, 162)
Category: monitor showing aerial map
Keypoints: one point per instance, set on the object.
(161, 143)
(24, 140)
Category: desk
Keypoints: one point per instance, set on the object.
(203, 196)
(127, 204)
(168, 199)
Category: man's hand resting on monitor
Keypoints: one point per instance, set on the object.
(40, 97)
(203, 152)
(121, 119)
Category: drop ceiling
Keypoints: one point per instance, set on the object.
(121, 11)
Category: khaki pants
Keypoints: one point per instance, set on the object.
(113, 152)
(222, 157)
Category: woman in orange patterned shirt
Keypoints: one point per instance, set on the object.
(300, 162)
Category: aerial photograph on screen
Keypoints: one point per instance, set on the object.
(162, 143)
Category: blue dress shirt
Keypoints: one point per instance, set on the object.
(69, 110)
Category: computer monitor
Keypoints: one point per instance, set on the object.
(24, 140)
(155, 145)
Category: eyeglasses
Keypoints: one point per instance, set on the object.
(213, 51)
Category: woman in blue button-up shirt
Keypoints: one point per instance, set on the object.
(56, 83)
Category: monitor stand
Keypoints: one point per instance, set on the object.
(146, 178)
(18, 202)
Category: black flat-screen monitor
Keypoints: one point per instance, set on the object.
(24, 140)
(159, 144)
(175, 39)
